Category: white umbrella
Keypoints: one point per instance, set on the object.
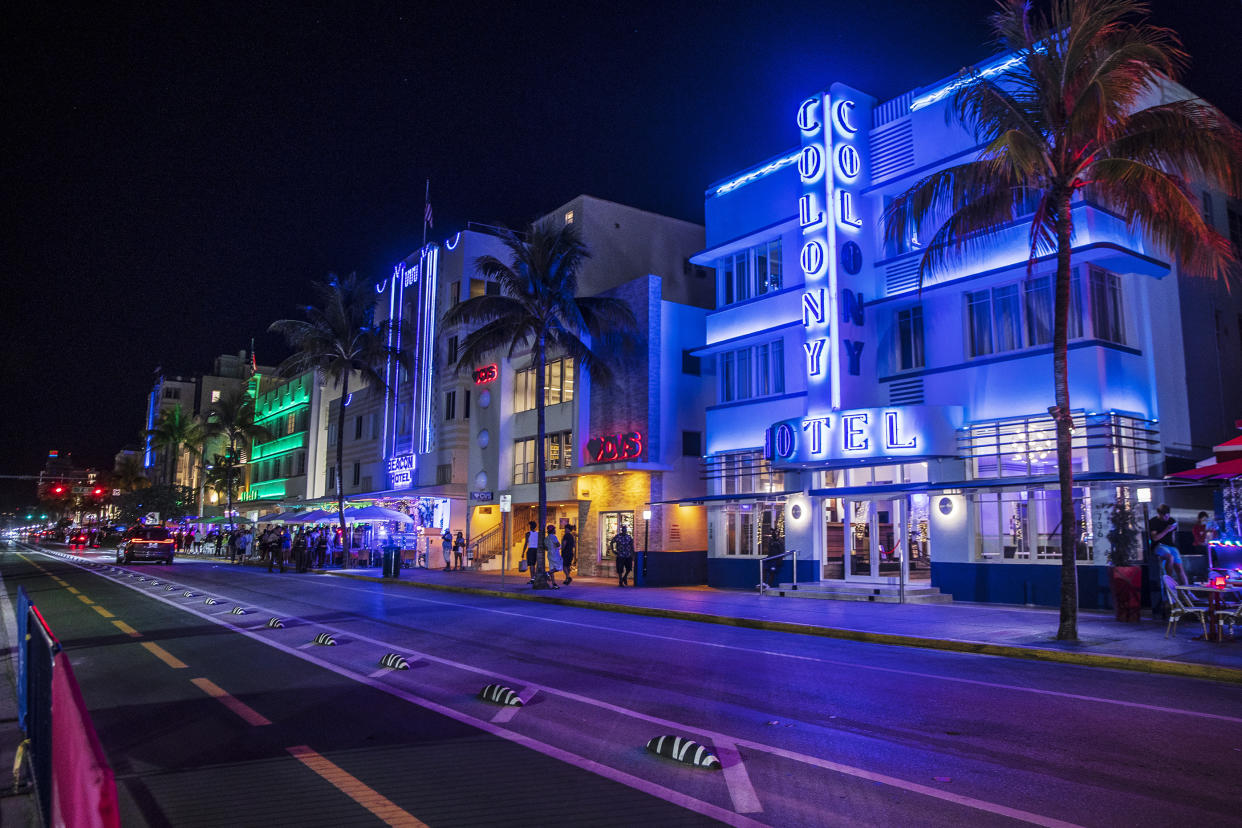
(313, 516)
(377, 514)
(272, 518)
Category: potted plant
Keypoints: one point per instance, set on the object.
(1125, 578)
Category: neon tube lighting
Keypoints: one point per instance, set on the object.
(765, 170)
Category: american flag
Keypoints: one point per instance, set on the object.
(427, 215)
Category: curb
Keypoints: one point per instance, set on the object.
(1142, 665)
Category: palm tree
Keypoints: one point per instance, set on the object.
(338, 339)
(128, 473)
(1072, 116)
(232, 417)
(175, 432)
(538, 309)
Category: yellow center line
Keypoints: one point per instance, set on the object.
(127, 629)
(73, 590)
(85, 600)
(102, 611)
(247, 713)
(356, 789)
(163, 655)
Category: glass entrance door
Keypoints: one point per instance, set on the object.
(875, 536)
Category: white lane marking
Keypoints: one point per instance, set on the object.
(376, 674)
(506, 713)
(839, 663)
(741, 791)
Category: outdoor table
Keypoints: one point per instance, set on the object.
(1215, 602)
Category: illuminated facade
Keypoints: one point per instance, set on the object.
(891, 435)
(285, 469)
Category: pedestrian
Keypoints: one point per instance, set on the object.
(321, 546)
(532, 549)
(459, 549)
(446, 547)
(1163, 531)
(1201, 533)
(299, 551)
(553, 547)
(569, 551)
(622, 548)
(233, 537)
(193, 542)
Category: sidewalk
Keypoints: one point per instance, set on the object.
(1015, 632)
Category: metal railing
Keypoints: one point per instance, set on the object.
(763, 585)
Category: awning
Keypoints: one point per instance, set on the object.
(1213, 471)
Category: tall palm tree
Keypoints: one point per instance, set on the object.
(338, 339)
(538, 309)
(232, 417)
(1073, 117)
(128, 474)
(176, 431)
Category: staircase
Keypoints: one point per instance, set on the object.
(876, 593)
(486, 547)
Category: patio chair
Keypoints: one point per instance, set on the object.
(1180, 605)
(1228, 614)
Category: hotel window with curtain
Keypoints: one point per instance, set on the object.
(751, 272)
(1106, 318)
(910, 338)
(558, 385)
(754, 371)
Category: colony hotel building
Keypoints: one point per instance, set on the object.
(888, 433)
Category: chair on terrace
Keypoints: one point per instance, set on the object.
(1180, 605)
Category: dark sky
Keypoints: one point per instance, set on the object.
(174, 175)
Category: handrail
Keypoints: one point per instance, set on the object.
(763, 585)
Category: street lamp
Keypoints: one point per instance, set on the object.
(646, 538)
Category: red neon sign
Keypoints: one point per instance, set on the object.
(614, 447)
(485, 374)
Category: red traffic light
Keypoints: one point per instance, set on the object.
(58, 489)
(98, 491)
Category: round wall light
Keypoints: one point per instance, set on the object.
(484, 438)
(945, 505)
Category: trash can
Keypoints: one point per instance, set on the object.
(392, 562)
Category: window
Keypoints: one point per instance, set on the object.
(558, 385)
(455, 293)
(1007, 318)
(288, 465)
(332, 478)
(444, 474)
(215, 395)
(450, 405)
(301, 462)
(910, 338)
(692, 444)
(768, 267)
(979, 322)
(465, 407)
(172, 393)
(332, 430)
(751, 272)
(1209, 214)
(357, 473)
(452, 351)
(1106, 316)
(757, 370)
(569, 217)
(491, 289)
(558, 456)
(357, 428)
(1039, 306)
(690, 364)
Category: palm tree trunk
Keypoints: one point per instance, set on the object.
(340, 464)
(1068, 628)
(540, 436)
(228, 477)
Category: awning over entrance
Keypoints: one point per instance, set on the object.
(1213, 471)
(988, 483)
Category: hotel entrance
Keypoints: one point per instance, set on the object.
(872, 539)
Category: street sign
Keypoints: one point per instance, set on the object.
(506, 503)
(116, 492)
(151, 517)
(81, 489)
(482, 497)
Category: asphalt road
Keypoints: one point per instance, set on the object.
(210, 717)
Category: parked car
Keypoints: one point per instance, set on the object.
(77, 540)
(146, 543)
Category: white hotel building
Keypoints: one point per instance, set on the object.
(889, 434)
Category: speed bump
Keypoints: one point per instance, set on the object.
(325, 639)
(187, 594)
(500, 694)
(237, 611)
(393, 661)
(275, 623)
(686, 751)
(170, 587)
(210, 601)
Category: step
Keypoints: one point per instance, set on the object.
(874, 593)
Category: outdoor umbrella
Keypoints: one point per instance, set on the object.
(275, 517)
(377, 514)
(313, 516)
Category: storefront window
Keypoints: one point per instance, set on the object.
(1025, 526)
(609, 524)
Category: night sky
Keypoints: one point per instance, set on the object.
(174, 175)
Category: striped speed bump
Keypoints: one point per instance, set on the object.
(170, 587)
(275, 623)
(500, 694)
(210, 601)
(393, 661)
(237, 611)
(187, 594)
(325, 640)
(683, 750)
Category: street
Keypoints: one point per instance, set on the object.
(210, 716)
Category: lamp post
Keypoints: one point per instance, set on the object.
(640, 576)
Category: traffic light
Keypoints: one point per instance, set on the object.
(97, 491)
(58, 489)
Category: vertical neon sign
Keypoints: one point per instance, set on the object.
(816, 316)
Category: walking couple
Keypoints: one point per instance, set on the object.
(560, 555)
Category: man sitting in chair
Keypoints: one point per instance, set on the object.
(1162, 529)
